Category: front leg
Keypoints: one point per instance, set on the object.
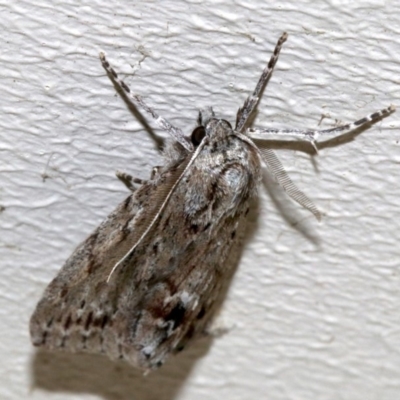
(128, 180)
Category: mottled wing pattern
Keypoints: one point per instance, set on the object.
(70, 314)
(164, 293)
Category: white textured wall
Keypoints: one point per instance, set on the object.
(314, 307)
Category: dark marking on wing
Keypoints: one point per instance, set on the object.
(67, 322)
(176, 315)
(64, 291)
(194, 228)
(201, 313)
(89, 320)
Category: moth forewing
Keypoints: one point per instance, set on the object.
(163, 294)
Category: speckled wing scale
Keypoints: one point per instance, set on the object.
(147, 279)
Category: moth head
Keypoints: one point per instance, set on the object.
(209, 125)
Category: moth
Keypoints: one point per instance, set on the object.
(146, 281)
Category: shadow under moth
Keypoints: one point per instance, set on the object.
(146, 281)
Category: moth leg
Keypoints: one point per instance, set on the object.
(216, 331)
(213, 331)
(175, 132)
(155, 172)
(313, 135)
(128, 180)
(251, 102)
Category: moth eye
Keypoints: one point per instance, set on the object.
(198, 135)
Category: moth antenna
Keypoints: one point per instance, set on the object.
(283, 179)
(147, 230)
(281, 176)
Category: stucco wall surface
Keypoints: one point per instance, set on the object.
(313, 309)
